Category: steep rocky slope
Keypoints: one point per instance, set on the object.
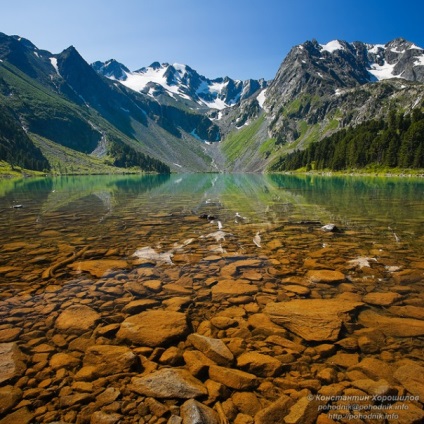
(313, 81)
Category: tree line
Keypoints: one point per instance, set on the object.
(397, 141)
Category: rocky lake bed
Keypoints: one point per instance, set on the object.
(301, 325)
(211, 299)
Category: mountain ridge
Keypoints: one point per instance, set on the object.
(183, 81)
(172, 114)
(111, 113)
(313, 80)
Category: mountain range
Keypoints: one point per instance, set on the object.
(181, 82)
(63, 115)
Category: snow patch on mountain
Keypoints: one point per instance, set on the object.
(261, 98)
(375, 49)
(419, 61)
(53, 61)
(393, 59)
(215, 104)
(332, 46)
(138, 80)
(382, 72)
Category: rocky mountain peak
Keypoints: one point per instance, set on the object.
(399, 45)
(344, 64)
(398, 58)
(156, 65)
(174, 74)
(24, 42)
(313, 76)
(111, 69)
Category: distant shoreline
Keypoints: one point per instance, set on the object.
(419, 173)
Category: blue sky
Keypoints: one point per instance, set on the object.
(239, 38)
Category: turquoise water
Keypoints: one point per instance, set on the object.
(44, 219)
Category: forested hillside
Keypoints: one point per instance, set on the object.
(397, 141)
(16, 148)
(125, 157)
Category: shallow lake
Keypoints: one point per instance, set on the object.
(44, 221)
(96, 269)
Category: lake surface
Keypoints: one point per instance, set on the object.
(102, 265)
(44, 221)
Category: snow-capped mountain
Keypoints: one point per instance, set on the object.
(397, 59)
(182, 83)
(111, 69)
(328, 68)
(74, 106)
(313, 76)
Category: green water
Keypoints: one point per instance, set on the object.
(60, 215)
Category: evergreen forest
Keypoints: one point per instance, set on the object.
(126, 157)
(16, 148)
(395, 142)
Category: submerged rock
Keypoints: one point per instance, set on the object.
(109, 359)
(137, 306)
(231, 288)
(194, 412)
(325, 276)
(21, 416)
(392, 326)
(259, 364)
(154, 328)
(235, 379)
(77, 319)
(214, 349)
(63, 360)
(304, 411)
(99, 267)
(11, 361)
(312, 319)
(381, 299)
(169, 383)
(9, 334)
(275, 412)
(9, 397)
(411, 375)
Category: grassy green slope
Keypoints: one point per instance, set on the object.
(245, 149)
(64, 160)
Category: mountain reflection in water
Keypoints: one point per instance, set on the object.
(115, 216)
